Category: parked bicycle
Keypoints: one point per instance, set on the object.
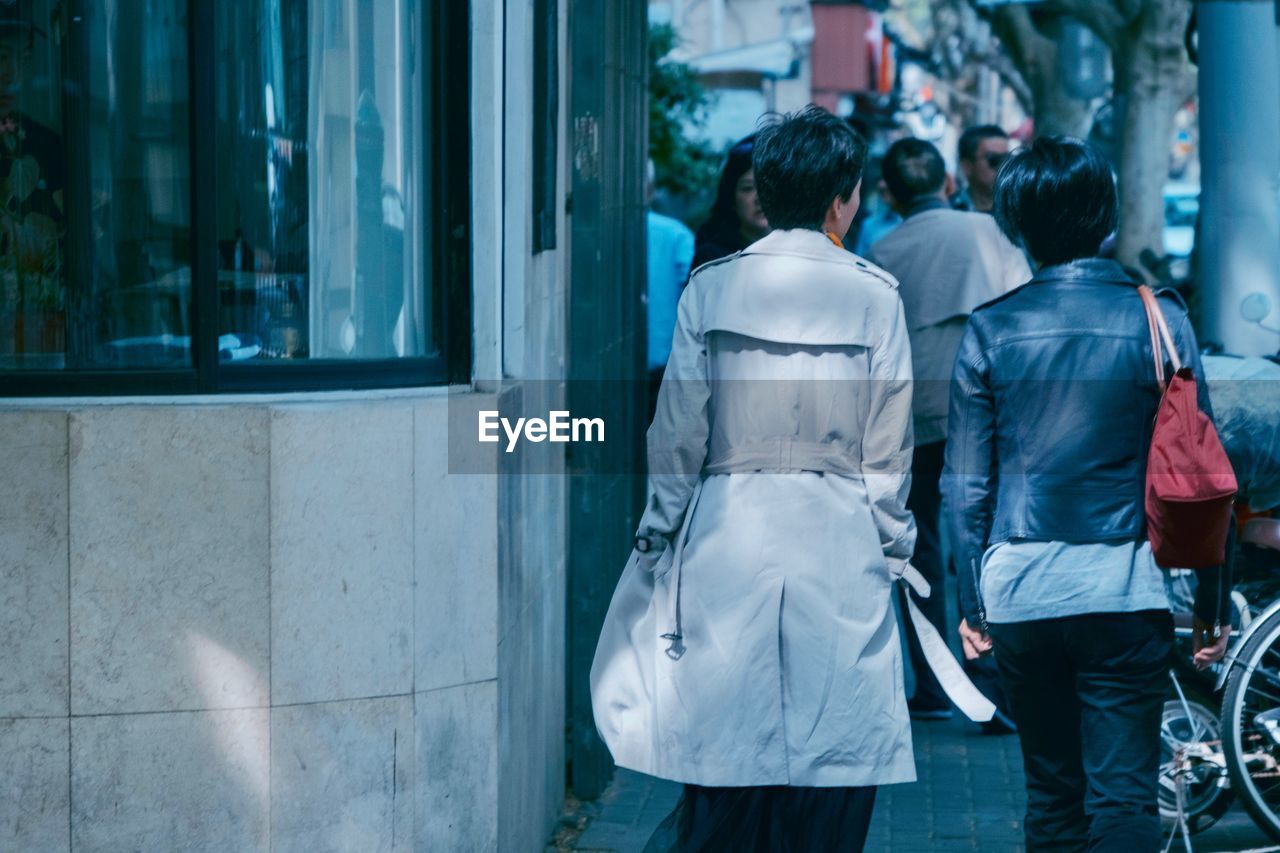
(1221, 728)
(1251, 701)
(1212, 747)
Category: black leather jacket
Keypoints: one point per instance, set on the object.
(1053, 396)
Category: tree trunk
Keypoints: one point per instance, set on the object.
(1056, 111)
(1153, 73)
(1144, 168)
(1034, 50)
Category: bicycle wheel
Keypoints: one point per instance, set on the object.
(1190, 760)
(1251, 726)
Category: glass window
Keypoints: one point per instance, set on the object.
(32, 194)
(193, 190)
(94, 185)
(320, 242)
(133, 135)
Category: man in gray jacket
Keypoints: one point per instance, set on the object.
(947, 263)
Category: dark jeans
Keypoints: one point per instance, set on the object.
(1087, 692)
(769, 819)
(925, 502)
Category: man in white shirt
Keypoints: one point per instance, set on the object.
(947, 263)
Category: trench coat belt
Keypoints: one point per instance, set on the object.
(676, 650)
(786, 454)
(946, 668)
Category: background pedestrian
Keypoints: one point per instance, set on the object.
(947, 263)
(670, 252)
(737, 220)
(981, 150)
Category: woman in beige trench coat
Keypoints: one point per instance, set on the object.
(751, 643)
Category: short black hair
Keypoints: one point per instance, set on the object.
(802, 162)
(913, 168)
(972, 138)
(1057, 198)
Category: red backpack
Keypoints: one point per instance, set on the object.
(1190, 484)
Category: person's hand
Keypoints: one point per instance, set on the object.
(1206, 648)
(975, 642)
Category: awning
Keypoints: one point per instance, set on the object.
(774, 58)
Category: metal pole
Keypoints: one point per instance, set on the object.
(717, 24)
(1239, 80)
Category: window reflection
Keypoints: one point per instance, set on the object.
(135, 258)
(319, 183)
(318, 217)
(94, 198)
(32, 184)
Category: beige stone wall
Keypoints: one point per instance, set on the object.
(246, 626)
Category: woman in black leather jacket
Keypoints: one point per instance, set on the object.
(1053, 396)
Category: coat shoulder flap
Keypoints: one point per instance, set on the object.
(798, 300)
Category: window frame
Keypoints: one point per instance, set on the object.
(446, 194)
(546, 122)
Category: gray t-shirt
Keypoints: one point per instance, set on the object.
(1024, 580)
(947, 263)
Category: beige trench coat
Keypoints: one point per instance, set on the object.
(755, 644)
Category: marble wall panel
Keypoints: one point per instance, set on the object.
(458, 761)
(342, 551)
(169, 558)
(343, 776)
(197, 781)
(34, 797)
(33, 564)
(456, 564)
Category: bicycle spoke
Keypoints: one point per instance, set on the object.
(1274, 699)
(1264, 792)
(1269, 675)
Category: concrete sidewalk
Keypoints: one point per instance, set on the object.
(969, 797)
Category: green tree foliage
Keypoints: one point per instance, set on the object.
(677, 101)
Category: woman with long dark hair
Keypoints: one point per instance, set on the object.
(1053, 395)
(737, 220)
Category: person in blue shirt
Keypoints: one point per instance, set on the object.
(670, 256)
(879, 223)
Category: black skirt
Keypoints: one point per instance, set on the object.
(772, 819)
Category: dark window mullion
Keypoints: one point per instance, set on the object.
(96, 383)
(448, 114)
(328, 375)
(78, 270)
(546, 117)
(204, 183)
